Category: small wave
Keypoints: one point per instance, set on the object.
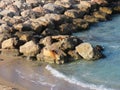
(58, 74)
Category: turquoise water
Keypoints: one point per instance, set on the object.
(103, 74)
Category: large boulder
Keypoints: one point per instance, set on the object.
(85, 50)
(10, 43)
(88, 52)
(29, 49)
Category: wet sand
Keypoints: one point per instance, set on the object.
(26, 75)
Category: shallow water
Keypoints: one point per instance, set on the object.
(93, 75)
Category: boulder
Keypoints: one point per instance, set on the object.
(64, 3)
(9, 43)
(105, 10)
(53, 8)
(29, 49)
(80, 24)
(116, 9)
(25, 35)
(85, 50)
(100, 16)
(90, 19)
(46, 41)
(52, 56)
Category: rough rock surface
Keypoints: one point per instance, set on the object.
(29, 49)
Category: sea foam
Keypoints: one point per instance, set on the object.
(60, 75)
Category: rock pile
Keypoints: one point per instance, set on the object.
(42, 28)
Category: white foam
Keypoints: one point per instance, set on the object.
(58, 74)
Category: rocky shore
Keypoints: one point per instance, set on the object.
(42, 29)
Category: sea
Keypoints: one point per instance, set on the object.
(103, 74)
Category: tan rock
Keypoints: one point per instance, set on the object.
(9, 43)
(106, 10)
(85, 50)
(29, 49)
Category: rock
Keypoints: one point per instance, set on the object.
(85, 50)
(105, 10)
(84, 4)
(66, 29)
(116, 9)
(90, 19)
(54, 56)
(53, 8)
(66, 43)
(98, 52)
(25, 35)
(72, 13)
(40, 11)
(28, 13)
(50, 32)
(64, 3)
(100, 1)
(47, 41)
(9, 43)
(74, 55)
(29, 49)
(80, 24)
(100, 16)
(4, 28)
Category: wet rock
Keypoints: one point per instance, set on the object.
(85, 50)
(90, 19)
(29, 49)
(52, 8)
(9, 43)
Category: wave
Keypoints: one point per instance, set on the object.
(60, 75)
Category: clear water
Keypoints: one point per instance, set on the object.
(103, 74)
